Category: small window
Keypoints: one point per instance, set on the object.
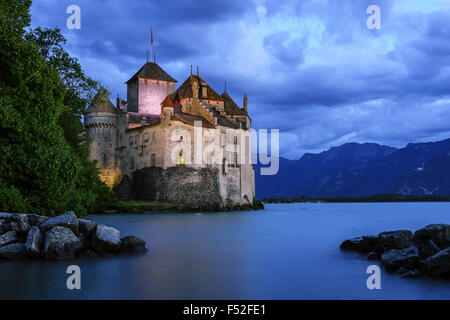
(181, 158)
(153, 159)
(131, 163)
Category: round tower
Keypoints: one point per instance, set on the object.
(101, 124)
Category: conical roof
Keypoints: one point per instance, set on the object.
(151, 70)
(101, 103)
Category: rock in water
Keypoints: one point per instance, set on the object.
(427, 249)
(438, 264)
(106, 239)
(67, 220)
(14, 251)
(438, 233)
(19, 223)
(363, 244)
(35, 219)
(8, 238)
(132, 244)
(61, 243)
(400, 239)
(86, 226)
(34, 242)
(407, 258)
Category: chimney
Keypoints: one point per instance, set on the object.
(245, 103)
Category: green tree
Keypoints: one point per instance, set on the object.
(43, 167)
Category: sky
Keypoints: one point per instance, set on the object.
(311, 68)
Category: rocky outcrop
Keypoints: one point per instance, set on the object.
(394, 259)
(427, 251)
(63, 237)
(132, 244)
(106, 239)
(34, 242)
(67, 220)
(61, 243)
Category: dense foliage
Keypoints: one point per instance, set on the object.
(43, 92)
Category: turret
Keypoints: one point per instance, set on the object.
(101, 124)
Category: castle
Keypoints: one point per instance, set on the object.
(189, 145)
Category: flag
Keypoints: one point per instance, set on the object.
(151, 35)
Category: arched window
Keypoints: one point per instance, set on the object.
(181, 158)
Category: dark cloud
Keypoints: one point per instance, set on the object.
(310, 68)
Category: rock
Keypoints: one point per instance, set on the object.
(427, 248)
(19, 223)
(14, 251)
(67, 220)
(373, 256)
(4, 226)
(363, 244)
(400, 239)
(61, 243)
(351, 244)
(438, 233)
(438, 264)
(132, 244)
(4, 215)
(86, 226)
(35, 219)
(411, 274)
(106, 239)
(34, 242)
(394, 259)
(8, 238)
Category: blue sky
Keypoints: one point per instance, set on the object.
(310, 68)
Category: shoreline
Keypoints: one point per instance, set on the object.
(169, 207)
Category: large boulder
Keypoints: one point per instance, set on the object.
(106, 239)
(61, 243)
(86, 227)
(438, 233)
(13, 251)
(4, 226)
(363, 244)
(34, 242)
(8, 238)
(438, 264)
(427, 248)
(400, 239)
(132, 244)
(407, 258)
(67, 220)
(18, 223)
(35, 219)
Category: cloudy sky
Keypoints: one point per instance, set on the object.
(310, 68)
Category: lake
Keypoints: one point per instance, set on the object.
(288, 251)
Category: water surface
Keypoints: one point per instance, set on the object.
(288, 251)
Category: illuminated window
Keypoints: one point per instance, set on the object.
(181, 158)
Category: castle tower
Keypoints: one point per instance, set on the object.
(147, 89)
(101, 124)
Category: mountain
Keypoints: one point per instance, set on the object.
(362, 169)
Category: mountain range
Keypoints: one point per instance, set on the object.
(366, 169)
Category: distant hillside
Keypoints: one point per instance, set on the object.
(362, 169)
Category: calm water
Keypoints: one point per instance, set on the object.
(288, 251)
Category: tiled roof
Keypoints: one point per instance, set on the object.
(101, 103)
(230, 106)
(185, 90)
(151, 70)
(190, 118)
